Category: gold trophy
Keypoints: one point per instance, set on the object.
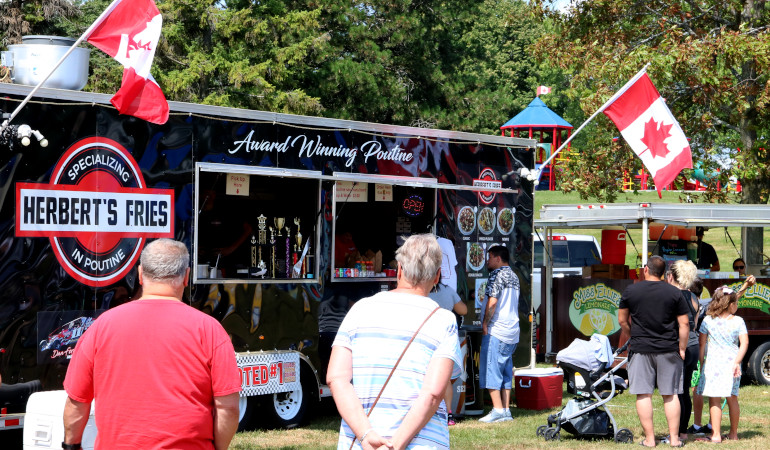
(279, 223)
(298, 251)
(262, 233)
(272, 248)
(299, 235)
(253, 251)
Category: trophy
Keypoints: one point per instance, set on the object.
(287, 261)
(272, 248)
(298, 250)
(262, 241)
(253, 263)
(278, 244)
(279, 223)
(299, 235)
(262, 231)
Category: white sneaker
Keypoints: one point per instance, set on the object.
(507, 417)
(493, 416)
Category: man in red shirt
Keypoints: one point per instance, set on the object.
(163, 374)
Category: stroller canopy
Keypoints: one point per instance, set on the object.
(592, 355)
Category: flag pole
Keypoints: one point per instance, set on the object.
(603, 107)
(84, 36)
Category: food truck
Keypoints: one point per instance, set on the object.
(289, 220)
(579, 306)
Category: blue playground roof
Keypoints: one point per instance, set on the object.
(537, 115)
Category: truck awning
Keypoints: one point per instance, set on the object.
(632, 215)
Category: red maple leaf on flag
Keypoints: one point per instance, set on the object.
(654, 137)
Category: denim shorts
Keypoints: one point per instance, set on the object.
(496, 363)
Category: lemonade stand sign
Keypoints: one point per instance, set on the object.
(594, 309)
(756, 297)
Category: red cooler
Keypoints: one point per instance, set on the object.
(539, 388)
(613, 245)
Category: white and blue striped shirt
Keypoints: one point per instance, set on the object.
(376, 330)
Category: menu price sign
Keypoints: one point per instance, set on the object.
(347, 191)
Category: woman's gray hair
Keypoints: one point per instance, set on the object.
(684, 273)
(164, 260)
(420, 258)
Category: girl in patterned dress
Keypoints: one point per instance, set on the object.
(727, 339)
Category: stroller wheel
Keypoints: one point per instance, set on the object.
(541, 430)
(553, 418)
(624, 436)
(552, 434)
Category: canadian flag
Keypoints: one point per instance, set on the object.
(129, 32)
(542, 90)
(646, 123)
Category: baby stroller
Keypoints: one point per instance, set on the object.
(586, 415)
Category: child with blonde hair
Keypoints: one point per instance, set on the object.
(727, 339)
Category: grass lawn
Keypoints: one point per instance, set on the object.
(726, 241)
(520, 433)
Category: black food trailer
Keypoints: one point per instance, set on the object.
(289, 220)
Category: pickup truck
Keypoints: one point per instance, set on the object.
(571, 252)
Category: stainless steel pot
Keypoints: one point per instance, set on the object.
(36, 56)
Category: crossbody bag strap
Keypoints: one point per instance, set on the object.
(393, 370)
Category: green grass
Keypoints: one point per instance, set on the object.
(520, 434)
(726, 241)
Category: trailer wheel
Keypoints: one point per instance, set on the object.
(759, 364)
(292, 409)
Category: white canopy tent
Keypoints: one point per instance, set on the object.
(640, 216)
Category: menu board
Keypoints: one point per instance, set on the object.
(482, 227)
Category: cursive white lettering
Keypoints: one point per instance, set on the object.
(250, 145)
(309, 148)
(374, 148)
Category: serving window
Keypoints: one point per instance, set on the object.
(372, 219)
(255, 225)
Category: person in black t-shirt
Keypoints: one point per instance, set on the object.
(707, 256)
(654, 314)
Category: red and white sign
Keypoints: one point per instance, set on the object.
(269, 372)
(652, 132)
(487, 178)
(130, 33)
(237, 184)
(96, 211)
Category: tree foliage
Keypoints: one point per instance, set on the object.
(22, 17)
(709, 59)
(457, 64)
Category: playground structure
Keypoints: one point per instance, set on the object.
(538, 121)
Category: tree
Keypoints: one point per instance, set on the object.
(709, 60)
(240, 53)
(22, 17)
(461, 65)
(494, 74)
